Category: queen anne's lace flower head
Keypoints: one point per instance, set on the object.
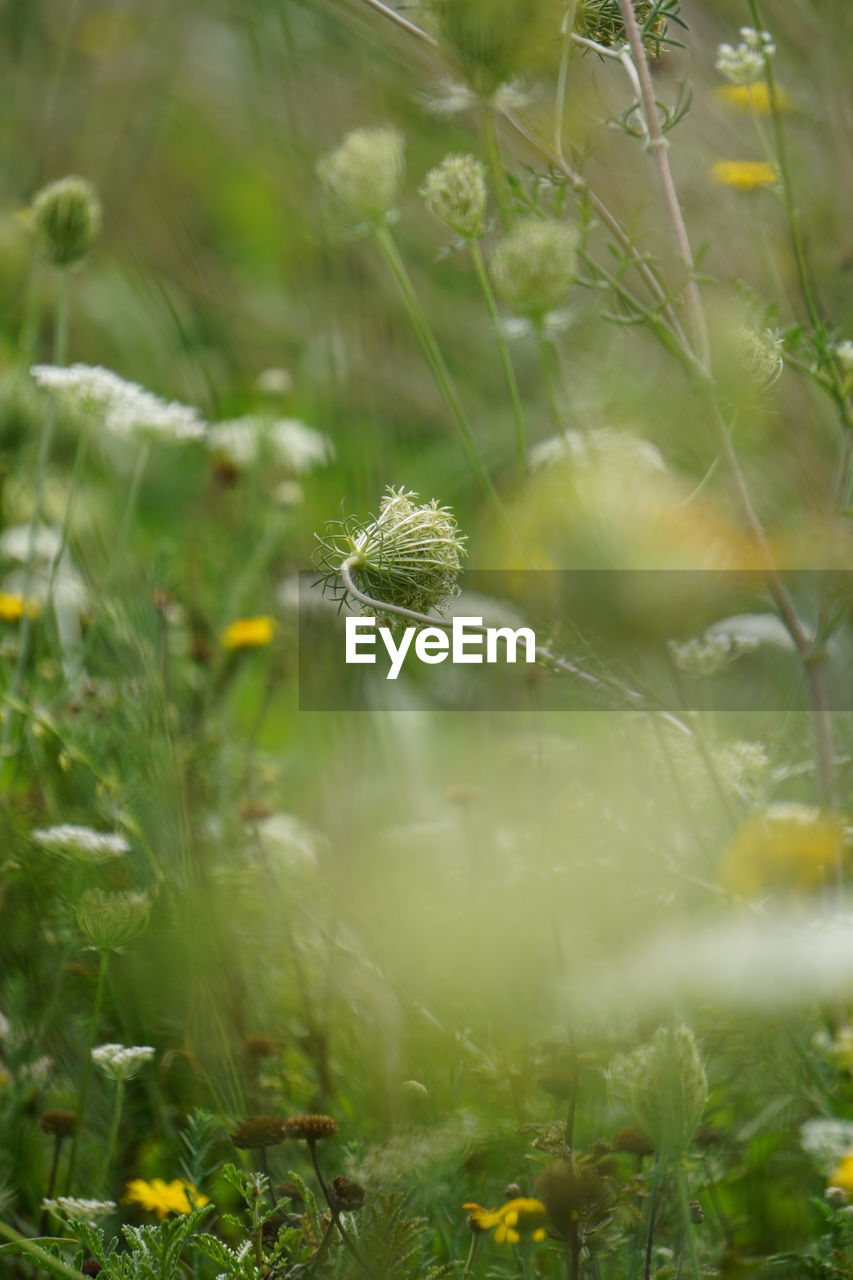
(122, 1062)
(81, 842)
(127, 408)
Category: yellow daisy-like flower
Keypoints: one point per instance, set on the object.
(162, 1198)
(843, 1175)
(249, 633)
(751, 97)
(13, 606)
(523, 1217)
(786, 846)
(744, 175)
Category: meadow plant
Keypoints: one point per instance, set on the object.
(429, 987)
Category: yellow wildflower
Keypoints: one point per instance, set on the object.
(744, 175)
(249, 633)
(751, 97)
(13, 606)
(162, 1198)
(786, 846)
(843, 1175)
(517, 1218)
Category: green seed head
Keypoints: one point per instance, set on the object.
(601, 21)
(67, 218)
(408, 556)
(365, 171)
(111, 920)
(535, 265)
(455, 193)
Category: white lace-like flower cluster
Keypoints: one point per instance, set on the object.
(81, 842)
(127, 408)
(744, 63)
(121, 1062)
(296, 446)
(80, 1210)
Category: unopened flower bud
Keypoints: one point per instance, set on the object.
(67, 218)
(697, 1213)
(455, 193)
(835, 1197)
(535, 265)
(365, 171)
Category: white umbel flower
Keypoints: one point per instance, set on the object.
(80, 1210)
(81, 842)
(127, 408)
(16, 543)
(121, 1062)
(744, 63)
(298, 447)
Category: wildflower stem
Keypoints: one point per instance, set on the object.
(473, 1249)
(60, 354)
(113, 1138)
(548, 365)
(46, 1261)
(345, 1236)
(491, 146)
(563, 77)
(505, 357)
(440, 372)
(652, 1219)
(51, 1181)
(658, 145)
(688, 1233)
(87, 1066)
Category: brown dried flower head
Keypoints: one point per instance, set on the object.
(259, 1046)
(346, 1194)
(256, 1132)
(311, 1128)
(633, 1141)
(60, 1124)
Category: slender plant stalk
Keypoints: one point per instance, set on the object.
(112, 1141)
(813, 659)
(435, 360)
(686, 1223)
(505, 358)
(659, 147)
(494, 160)
(548, 365)
(46, 1261)
(344, 1234)
(83, 1094)
(60, 355)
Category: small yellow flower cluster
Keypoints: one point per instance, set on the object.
(162, 1198)
(249, 633)
(752, 97)
(523, 1217)
(744, 175)
(843, 1175)
(786, 846)
(13, 607)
